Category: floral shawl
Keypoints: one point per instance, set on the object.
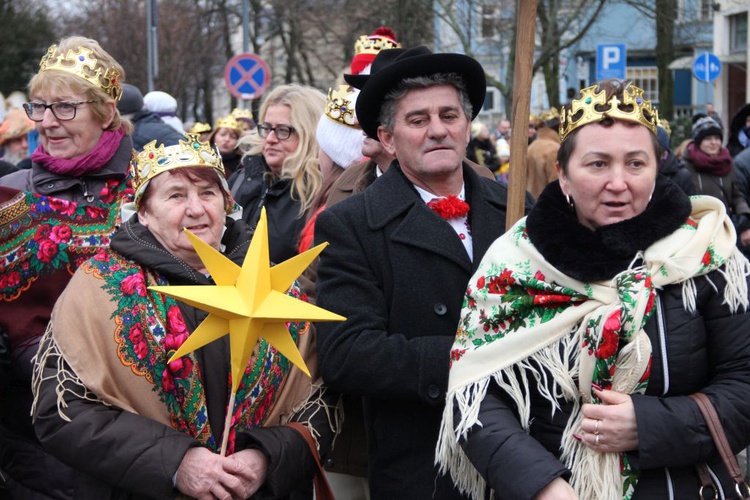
(42, 236)
(520, 314)
(118, 351)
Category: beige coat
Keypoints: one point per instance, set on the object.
(540, 161)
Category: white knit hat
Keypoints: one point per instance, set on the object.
(165, 106)
(338, 132)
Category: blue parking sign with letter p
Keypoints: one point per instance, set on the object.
(611, 61)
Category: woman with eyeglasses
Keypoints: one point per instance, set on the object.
(53, 217)
(282, 172)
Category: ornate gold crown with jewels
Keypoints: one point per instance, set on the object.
(593, 107)
(340, 105)
(373, 44)
(153, 160)
(82, 63)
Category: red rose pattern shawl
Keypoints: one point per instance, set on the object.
(520, 313)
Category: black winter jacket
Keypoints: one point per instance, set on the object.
(251, 189)
(148, 127)
(145, 454)
(708, 351)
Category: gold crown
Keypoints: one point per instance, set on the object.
(200, 128)
(340, 105)
(549, 114)
(229, 122)
(242, 114)
(152, 161)
(372, 44)
(82, 63)
(664, 123)
(595, 107)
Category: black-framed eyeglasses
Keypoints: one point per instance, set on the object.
(63, 110)
(283, 132)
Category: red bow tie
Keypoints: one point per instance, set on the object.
(451, 207)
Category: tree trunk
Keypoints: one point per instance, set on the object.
(665, 54)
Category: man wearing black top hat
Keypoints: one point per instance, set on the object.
(401, 254)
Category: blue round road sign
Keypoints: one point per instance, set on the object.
(706, 67)
(247, 76)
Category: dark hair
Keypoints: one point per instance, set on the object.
(388, 108)
(611, 88)
(193, 174)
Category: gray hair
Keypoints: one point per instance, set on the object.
(388, 108)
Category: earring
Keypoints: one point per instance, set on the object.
(570, 202)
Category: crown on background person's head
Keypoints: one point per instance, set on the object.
(153, 160)
(594, 106)
(382, 38)
(242, 114)
(229, 122)
(200, 128)
(82, 63)
(340, 105)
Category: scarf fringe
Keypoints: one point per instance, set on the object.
(735, 272)
(560, 382)
(305, 412)
(66, 380)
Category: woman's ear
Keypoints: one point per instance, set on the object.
(112, 109)
(143, 216)
(563, 178)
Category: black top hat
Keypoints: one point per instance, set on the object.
(412, 63)
(384, 58)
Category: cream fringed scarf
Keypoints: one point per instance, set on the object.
(520, 313)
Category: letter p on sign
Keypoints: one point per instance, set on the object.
(611, 61)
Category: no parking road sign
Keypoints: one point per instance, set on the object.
(247, 76)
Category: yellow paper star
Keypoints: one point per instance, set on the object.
(248, 302)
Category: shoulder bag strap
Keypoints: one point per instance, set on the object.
(322, 488)
(722, 444)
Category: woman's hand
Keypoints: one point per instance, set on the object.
(558, 489)
(252, 466)
(204, 474)
(610, 427)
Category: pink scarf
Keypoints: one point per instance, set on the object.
(90, 163)
(719, 165)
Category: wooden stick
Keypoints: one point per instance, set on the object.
(227, 424)
(522, 76)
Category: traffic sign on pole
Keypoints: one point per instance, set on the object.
(706, 67)
(247, 76)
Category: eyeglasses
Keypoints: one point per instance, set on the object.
(63, 110)
(283, 132)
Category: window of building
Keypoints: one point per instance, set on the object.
(688, 11)
(707, 10)
(647, 78)
(738, 32)
(492, 100)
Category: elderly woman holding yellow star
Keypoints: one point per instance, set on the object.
(145, 394)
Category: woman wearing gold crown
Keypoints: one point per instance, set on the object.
(53, 217)
(589, 323)
(108, 400)
(225, 136)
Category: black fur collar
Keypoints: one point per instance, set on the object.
(588, 255)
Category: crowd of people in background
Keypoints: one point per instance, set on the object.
(395, 169)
